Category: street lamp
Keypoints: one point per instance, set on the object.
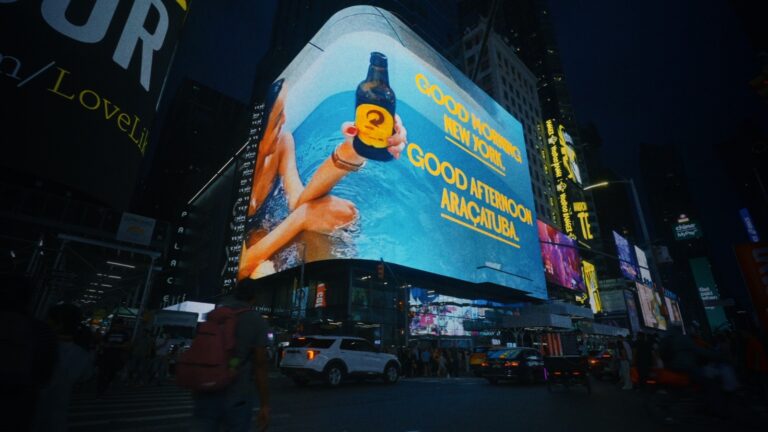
(641, 218)
(638, 208)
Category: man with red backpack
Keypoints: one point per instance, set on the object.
(226, 366)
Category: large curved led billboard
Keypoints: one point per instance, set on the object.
(80, 82)
(375, 147)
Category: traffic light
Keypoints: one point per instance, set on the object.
(380, 270)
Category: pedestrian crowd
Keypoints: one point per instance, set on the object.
(427, 361)
(44, 362)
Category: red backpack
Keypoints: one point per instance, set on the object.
(205, 366)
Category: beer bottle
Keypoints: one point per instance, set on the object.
(374, 111)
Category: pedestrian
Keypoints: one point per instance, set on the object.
(160, 364)
(139, 358)
(233, 406)
(625, 360)
(426, 358)
(74, 365)
(643, 359)
(28, 353)
(442, 365)
(115, 347)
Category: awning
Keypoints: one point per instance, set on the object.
(605, 330)
(537, 319)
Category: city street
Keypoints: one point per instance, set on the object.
(416, 404)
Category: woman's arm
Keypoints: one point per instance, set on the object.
(328, 174)
(323, 215)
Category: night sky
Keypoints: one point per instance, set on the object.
(669, 73)
(659, 72)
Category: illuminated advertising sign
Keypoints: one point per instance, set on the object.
(673, 307)
(80, 83)
(702, 275)
(634, 320)
(754, 237)
(687, 230)
(590, 281)
(753, 261)
(642, 264)
(626, 257)
(574, 213)
(651, 307)
(562, 264)
(439, 315)
(375, 148)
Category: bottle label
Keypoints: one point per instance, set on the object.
(375, 124)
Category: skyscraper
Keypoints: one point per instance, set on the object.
(499, 72)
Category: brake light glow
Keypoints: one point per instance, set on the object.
(512, 364)
(558, 373)
(606, 356)
(593, 362)
(577, 373)
(484, 364)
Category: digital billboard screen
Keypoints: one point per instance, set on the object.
(651, 307)
(642, 265)
(590, 281)
(375, 147)
(626, 257)
(439, 315)
(562, 264)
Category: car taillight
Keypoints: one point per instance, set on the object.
(282, 354)
(511, 364)
(484, 364)
(576, 373)
(593, 362)
(312, 354)
(558, 373)
(606, 356)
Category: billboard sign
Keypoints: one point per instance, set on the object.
(574, 213)
(754, 237)
(562, 264)
(753, 261)
(710, 295)
(642, 265)
(81, 82)
(651, 307)
(326, 188)
(613, 301)
(626, 258)
(590, 281)
(634, 320)
(687, 230)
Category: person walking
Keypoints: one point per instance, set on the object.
(74, 365)
(28, 353)
(233, 406)
(643, 359)
(116, 345)
(625, 361)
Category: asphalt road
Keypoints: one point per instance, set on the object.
(415, 404)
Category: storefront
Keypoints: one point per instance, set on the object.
(402, 307)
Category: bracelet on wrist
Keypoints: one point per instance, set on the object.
(340, 163)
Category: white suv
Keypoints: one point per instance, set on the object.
(334, 358)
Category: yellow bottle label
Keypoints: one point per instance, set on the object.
(374, 124)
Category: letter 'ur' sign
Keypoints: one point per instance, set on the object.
(54, 12)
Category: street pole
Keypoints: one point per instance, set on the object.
(643, 226)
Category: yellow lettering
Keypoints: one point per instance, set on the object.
(56, 86)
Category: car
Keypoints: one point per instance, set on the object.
(478, 356)
(332, 359)
(525, 365)
(603, 364)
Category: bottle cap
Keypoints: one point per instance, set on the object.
(378, 59)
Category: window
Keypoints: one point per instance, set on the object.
(357, 345)
(311, 343)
